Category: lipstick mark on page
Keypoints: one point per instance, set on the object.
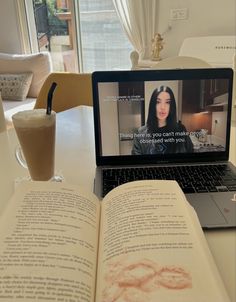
(136, 281)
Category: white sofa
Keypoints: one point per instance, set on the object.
(21, 77)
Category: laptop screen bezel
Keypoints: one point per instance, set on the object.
(158, 75)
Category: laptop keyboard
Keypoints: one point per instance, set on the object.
(192, 179)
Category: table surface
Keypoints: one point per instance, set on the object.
(75, 159)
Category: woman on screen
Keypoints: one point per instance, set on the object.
(162, 133)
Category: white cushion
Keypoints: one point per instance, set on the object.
(15, 86)
(39, 64)
(9, 104)
(11, 107)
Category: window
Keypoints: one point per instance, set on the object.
(102, 44)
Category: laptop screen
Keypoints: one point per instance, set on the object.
(162, 115)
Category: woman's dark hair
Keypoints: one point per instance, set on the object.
(152, 121)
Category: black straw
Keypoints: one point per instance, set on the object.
(50, 96)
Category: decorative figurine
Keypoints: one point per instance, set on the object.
(157, 46)
(134, 57)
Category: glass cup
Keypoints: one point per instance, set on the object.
(36, 133)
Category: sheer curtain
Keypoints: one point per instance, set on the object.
(139, 19)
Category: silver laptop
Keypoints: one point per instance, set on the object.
(168, 124)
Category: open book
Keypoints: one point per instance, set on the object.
(142, 243)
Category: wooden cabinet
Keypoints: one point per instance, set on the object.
(211, 89)
(191, 96)
(199, 95)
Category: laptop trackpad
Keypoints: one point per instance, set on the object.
(226, 202)
(207, 210)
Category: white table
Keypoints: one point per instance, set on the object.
(75, 158)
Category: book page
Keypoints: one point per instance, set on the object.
(152, 248)
(49, 241)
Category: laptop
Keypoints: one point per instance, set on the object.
(168, 124)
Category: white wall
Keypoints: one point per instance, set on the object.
(205, 17)
(108, 93)
(219, 129)
(9, 28)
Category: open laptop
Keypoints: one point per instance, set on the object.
(192, 146)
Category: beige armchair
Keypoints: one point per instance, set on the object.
(73, 89)
(168, 63)
(181, 62)
(26, 73)
(2, 118)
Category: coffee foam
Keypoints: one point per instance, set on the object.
(33, 118)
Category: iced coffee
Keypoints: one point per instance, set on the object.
(36, 133)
